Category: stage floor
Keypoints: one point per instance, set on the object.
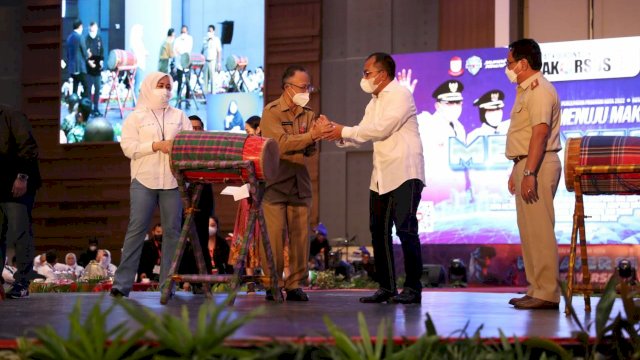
(450, 310)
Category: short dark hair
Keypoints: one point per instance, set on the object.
(527, 49)
(84, 107)
(253, 122)
(211, 27)
(77, 23)
(170, 32)
(184, 27)
(291, 71)
(197, 118)
(51, 256)
(386, 62)
(92, 23)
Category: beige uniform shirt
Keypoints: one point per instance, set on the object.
(291, 129)
(536, 103)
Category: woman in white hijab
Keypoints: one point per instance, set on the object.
(72, 264)
(147, 137)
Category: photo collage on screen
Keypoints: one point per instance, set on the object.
(215, 55)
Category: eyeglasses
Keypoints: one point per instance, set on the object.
(365, 74)
(307, 87)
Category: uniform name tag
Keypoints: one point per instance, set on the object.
(287, 123)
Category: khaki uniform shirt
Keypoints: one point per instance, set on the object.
(536, 103)
(291, 129)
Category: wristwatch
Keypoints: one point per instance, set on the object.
(528, 172)
(23, 177)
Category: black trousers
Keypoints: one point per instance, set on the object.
(94, 81)
(184, 76)
(206, 207)
(397, 207)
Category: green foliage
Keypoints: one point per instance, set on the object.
(177, 338)
(91, 339)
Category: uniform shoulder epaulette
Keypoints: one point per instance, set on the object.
(534, 84)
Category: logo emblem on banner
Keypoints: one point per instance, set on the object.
(455, 66)
(473, 65)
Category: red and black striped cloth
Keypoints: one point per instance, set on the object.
(610, 151)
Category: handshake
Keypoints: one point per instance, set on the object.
(325, 129)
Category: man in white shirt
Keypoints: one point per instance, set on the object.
(212, 51)
(397, 179)
(182, 47)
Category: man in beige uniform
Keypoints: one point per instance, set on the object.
(287, 198)
(533, 141)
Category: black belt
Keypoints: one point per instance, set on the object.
(520, 157)
(517, 159)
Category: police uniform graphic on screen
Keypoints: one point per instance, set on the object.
(438, 131)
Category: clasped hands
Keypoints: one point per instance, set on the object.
(325, 129)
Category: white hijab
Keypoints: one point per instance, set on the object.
(147, 98)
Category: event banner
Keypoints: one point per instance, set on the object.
(464, 101)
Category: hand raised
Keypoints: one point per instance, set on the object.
(404, 78)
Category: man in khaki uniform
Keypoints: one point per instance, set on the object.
(287, 198)
(533, 141)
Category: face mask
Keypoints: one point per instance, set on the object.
(163, 96)
(301, 99)
(511, 74)
(93, 248)
(158, 238)
(367, 85)
(93, 34)
(212, 230)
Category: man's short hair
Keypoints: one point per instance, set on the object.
(84, 107)
(386, 62)
(527, 49)
(170, 32)
(77, 23)
(196, 118)
(51, 256)
(92, 23)
(211, 27)
(291, 71)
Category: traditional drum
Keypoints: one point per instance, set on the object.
(121, 58)
(197, 60)
(213, 156)
(603, 151)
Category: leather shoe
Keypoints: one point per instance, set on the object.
(537, 304)
(379, 296)
(270, 295)
(407, 296)
(116, 293)
(514, 301)
(297, 295)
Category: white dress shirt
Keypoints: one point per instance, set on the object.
(183, 44)
(390, 123)
(140, 129)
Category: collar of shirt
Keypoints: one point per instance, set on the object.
(387, 88)
(525, 84)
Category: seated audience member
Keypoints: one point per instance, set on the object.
(320, 243)
(104, 259)
(89, 254)
(218, 249)
(366, 266)
(252, 126)
(75, 124)
(48, 270)
(149, 266)
(72, 265)
(8, 271)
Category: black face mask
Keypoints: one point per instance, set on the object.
(157, 238)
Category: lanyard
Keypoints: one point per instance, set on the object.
(158, 121)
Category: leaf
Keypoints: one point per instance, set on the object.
(603, 309)
(544, 344)
(431, 328)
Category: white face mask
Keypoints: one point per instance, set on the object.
(493, 118)
(93, 248)
(301, 99)
(367, 85)
(93, 34)
(511, 74)
(212, 230)
(163, 95)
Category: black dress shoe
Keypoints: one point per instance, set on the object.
(380, 296)
(408, 296)
(117, 293)
(297, 295)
